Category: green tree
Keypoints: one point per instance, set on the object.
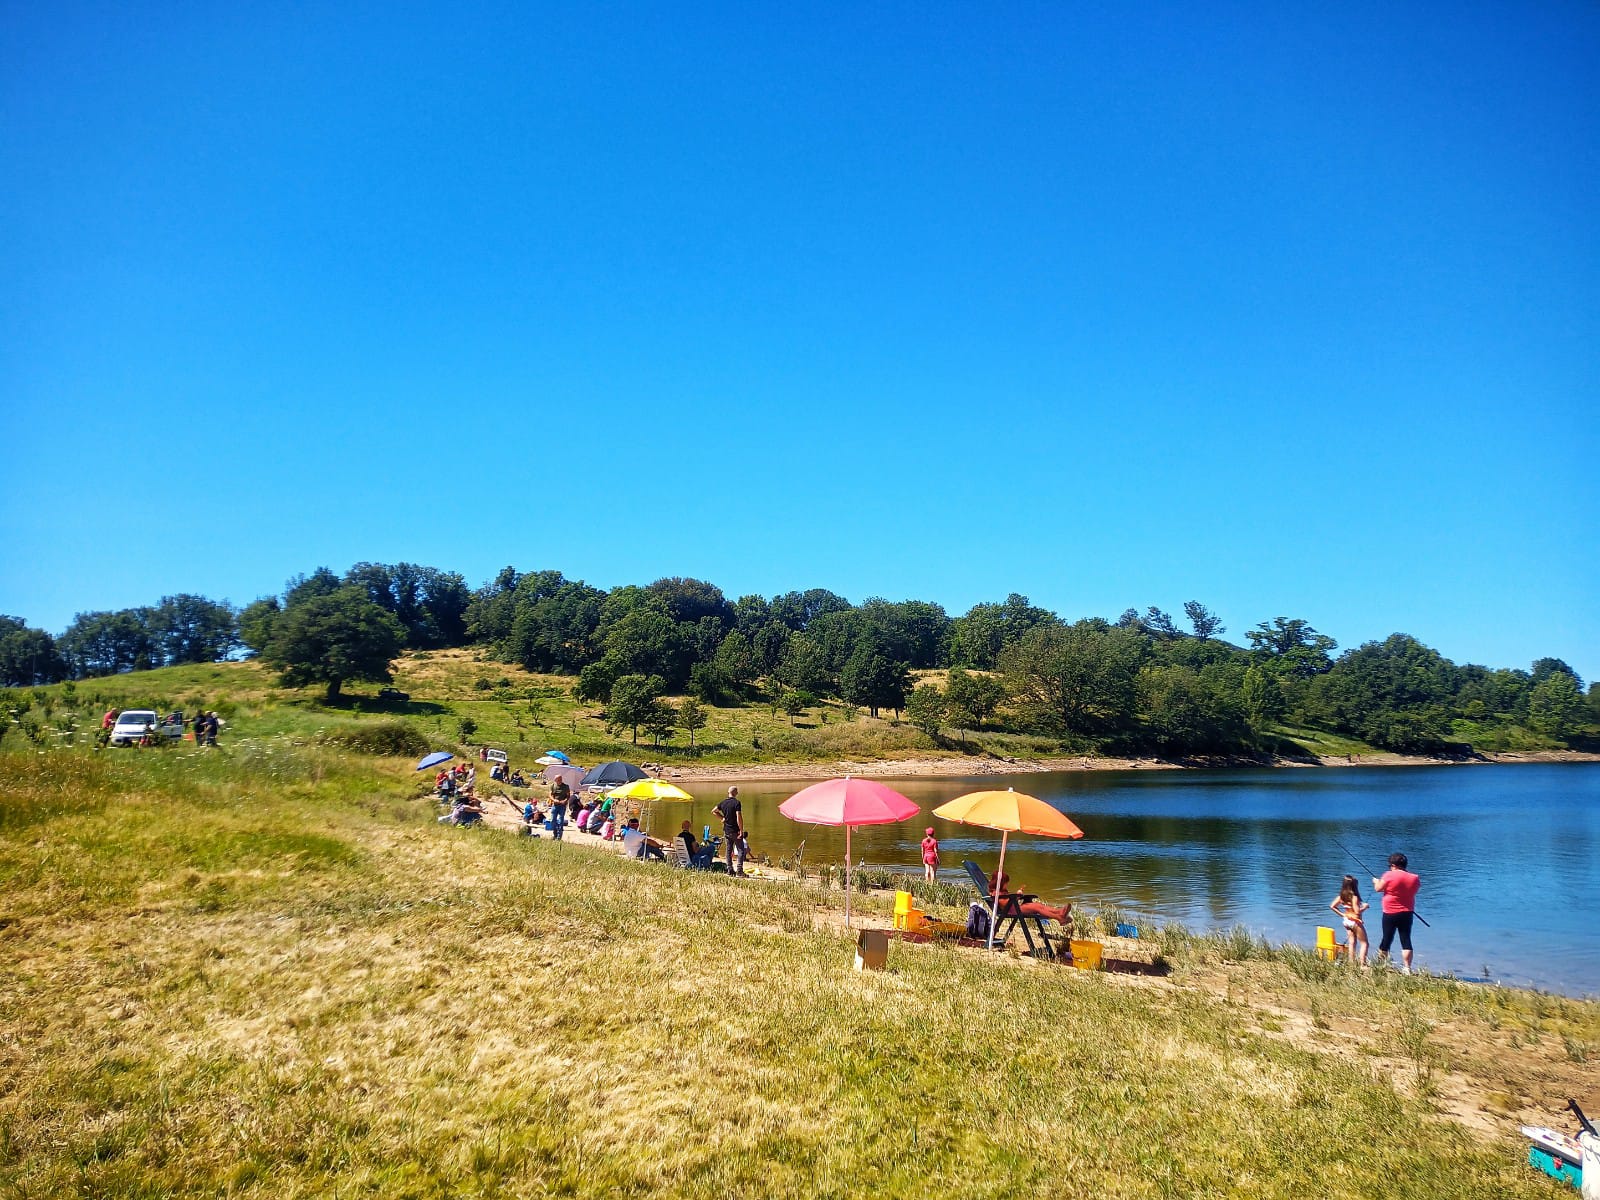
(660, 722)
(793, 704)
(1555, 706)
(108, 643)
(804, 666)
(1158, 624)
(466, 727)
(926, 709)
(192, 629)
(1292, 647)
(1262, 697)
(971, 699)
(27, 656)
(1204, 623)
(1077, 678)
(692, 716)
(1185, 714)
(874, 681)
(1397, 694)
(256, 621)
(633, 702)
(334, 637)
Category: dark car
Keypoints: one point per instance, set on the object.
(394, 695)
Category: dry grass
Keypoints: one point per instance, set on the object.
(268, 972)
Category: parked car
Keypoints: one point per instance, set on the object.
(394, 695)
(132, 724)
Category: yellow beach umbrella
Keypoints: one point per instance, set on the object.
(644, 791)
(648, 790)
(1009, 812)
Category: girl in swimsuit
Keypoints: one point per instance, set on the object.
(1349, 906)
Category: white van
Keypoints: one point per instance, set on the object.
(132, 724)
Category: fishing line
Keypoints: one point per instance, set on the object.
(1373, 873)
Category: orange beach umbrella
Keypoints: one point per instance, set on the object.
(1009, 812)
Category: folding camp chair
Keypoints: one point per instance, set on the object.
(1007, 912)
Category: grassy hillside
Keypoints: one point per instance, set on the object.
(267, 972)
(511, 708)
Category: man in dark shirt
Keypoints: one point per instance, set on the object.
(732, 826)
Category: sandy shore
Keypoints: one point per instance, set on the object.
(962, 766)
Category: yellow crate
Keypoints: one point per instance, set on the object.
(1086, 956)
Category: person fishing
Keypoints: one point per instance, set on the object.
(1399, 887)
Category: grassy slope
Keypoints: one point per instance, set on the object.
(266, 971)
(527, 713)
(522, 712)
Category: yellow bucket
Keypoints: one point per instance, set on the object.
(1086, 955)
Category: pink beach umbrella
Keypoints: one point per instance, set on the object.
(848, 802)
(573, 775)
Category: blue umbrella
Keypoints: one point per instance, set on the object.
(434, 759)
(557, 754)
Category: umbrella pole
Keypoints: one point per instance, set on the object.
(847, 877)
(999, 886)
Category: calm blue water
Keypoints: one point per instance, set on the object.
(1509, 855)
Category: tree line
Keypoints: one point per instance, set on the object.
(1140, 683)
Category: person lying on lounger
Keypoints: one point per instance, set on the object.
(1029, 908)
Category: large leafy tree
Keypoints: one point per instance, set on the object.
(633, 702)
(558, 630)
(971, 699)
(28, 656)
(926, 709)
(1290, 646)
(429, 603)
(1555, 705)
(979, 636)
(1076, 678)
(192, 629)
(1202, 620)
(1396, 694)
(256, 622)
(108, 643)
(875, 681)
(334, 638)
(1186, 712)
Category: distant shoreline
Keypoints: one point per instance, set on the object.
(913, 768)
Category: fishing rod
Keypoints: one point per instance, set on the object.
(1373, 873)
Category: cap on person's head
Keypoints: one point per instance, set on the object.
(928, 831)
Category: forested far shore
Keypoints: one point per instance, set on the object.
(1138, 683)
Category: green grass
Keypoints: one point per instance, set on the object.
(266, 971)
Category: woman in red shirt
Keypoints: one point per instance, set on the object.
(1399, 887)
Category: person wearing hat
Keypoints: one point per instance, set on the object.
(930, 855)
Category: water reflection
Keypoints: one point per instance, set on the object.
(1507, 854)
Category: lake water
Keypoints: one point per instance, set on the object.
(1509, 855)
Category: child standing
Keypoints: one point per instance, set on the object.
(1348, 905)
(930, 855)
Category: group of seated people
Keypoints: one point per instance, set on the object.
(500, 773)
(467, 809)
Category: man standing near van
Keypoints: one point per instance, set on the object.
(1399, 887)
(732, 815)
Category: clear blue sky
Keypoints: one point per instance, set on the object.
(1295, 312)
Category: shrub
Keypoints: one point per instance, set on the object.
(382, 737)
